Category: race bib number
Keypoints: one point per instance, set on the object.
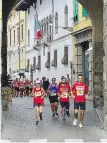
(80, 93)
(64, 95)
(53, 94)
(37, 94)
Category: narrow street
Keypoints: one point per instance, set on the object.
(20, 124)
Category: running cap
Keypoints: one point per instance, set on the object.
(63, 77)
(53, 78)
(38, 82)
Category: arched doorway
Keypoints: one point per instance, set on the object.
(95, 11)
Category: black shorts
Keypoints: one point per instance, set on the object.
(39, 104)
(65, 105)
(81, 105)
(27, 88)
(53, 99)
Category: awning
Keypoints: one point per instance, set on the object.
(24, 5)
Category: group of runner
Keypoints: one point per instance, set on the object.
(22, 88)
(61, 93)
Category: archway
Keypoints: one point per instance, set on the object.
(95, 11)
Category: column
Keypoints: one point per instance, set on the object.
(90, 67)
(105, 63)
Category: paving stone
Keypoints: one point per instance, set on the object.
(20, 124)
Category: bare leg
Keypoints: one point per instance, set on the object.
(81, 115)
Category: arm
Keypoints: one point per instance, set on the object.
(43, 93)
(72, 91)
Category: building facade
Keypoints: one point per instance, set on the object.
(0, 33)
(16, 46)
(82, 44)
(51, 56)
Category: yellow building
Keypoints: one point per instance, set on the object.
(82, 44)
(16, 36)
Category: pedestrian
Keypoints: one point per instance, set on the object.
(38, 100)
(79, 94)
(16, 84)
(21, 88)
(53, 97)
(45, 85)
(64, 95)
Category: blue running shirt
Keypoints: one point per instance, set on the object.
(53, 89)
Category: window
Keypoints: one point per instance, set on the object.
(14, 36)
(66, 16)
(44, 26)
(34, 63)
(10, 36)
(56, 22)
(66, 53)
(49, 58)
(47, 25)
(39, 61)
(28, 37)
(28, 63)
(22, 31)
(44, 51)
(75, 10)
(40, 2)
(55, 56)
(18, 35)
(84, 12)
(28, 10)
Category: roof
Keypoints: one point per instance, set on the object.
(24, 5)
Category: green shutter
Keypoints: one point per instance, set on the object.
(84, 13)
(75, 10)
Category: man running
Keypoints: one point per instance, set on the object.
(38, 98)
(79, 94)
(53, 97)
(16, 84)
(64, 93)
(21, 88)
(27, 84)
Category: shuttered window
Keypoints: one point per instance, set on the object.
(84, 12)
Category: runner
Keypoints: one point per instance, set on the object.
(16, 84)
(27, 84)
(31, 88)
(39, 94)
(21, 88)
(53, 97)
(64, 93)
(79, 94)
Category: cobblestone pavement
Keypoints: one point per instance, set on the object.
(20, 124)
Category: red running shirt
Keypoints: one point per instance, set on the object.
(37, 96)
(17, 84)
(63, 90)
(79, 90)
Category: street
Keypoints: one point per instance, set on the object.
(20, 124)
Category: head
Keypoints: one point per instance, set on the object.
(53, 80)
(16, 79)
(38, 83)
(43, 78)
(63, 79)
(80, 78)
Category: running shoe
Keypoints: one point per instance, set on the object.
(41, 118)
(37, 122)
(68, 114)
(63, 119)
(53, 115)
(75, 122)
(56, 114)
(81, 125)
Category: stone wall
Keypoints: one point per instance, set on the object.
(105, 62)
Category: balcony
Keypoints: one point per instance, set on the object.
(54, 63)
(64, 61)
(37, 44)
